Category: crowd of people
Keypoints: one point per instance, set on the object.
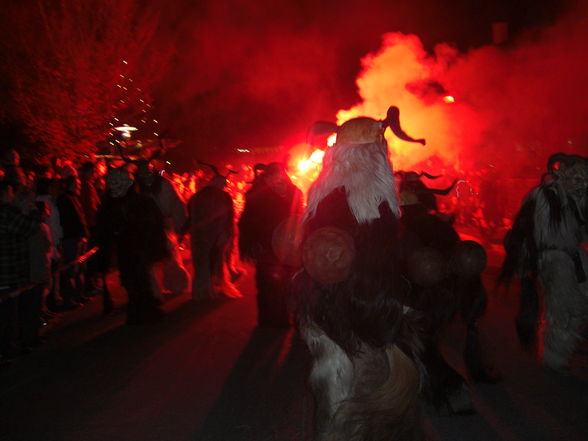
(64, 229)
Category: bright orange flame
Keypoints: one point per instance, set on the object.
(306, 169)
(448, 99)
(331, 140)
(317, 156)
(304, 165)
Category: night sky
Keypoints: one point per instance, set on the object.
(256, 74)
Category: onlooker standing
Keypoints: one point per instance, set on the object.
(15, 230)
(48, 190)
(90, 201)
(75, 235)
(31, 302)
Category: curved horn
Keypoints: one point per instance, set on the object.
(443, 191)
(427, 175)
(213, 167)
(393, 121)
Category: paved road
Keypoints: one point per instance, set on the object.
(206, 373)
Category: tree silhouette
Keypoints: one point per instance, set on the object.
(78, 68)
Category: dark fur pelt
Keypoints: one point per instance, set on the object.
(440, 303)
(521, 260)
(364, 340)
(211, 214)
(543, 250)
(264, 211)
(366, 305)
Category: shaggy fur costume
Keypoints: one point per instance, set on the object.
(440, 302)
(544, 245)
(363, 338)
(175, 276)
(211, 227)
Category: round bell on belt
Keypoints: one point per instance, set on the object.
(426, 267)
(468, 259)
(328, 254)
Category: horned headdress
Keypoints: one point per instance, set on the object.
(359, 162)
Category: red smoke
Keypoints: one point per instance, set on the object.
(514, 105)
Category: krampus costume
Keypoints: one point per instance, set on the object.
(175, 276)
(545, 245)
(211, 217)
(270, 203)
(132, 224)
(411, 183)
(446, 279)
(351, 297)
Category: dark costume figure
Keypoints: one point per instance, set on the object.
(269, 203)
(211, 225)
(446, 276)
(545, 246)
(352, 298)
(176, 278)
(133, 225)
(411, 183)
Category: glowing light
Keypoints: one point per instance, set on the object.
(448, 99)
(304, 165)
(243, 150)
(331, 140)
(317, 156)
(125, 128)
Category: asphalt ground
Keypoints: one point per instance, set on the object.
(206, 372)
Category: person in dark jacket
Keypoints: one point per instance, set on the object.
(133, 227)
(73, 245)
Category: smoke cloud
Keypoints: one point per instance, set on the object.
(258, 73)
(514, 105)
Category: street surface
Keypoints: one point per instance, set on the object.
(206, 373)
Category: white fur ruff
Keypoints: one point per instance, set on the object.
(332, 369)
(366, 173)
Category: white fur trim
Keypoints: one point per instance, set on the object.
(366, 173)
(332, 369)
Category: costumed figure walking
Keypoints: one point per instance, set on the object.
(545, 245)
(176, 279)
(132, 225)
(211, 215)
(351, 296)
(272, 206)
(445, 273)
